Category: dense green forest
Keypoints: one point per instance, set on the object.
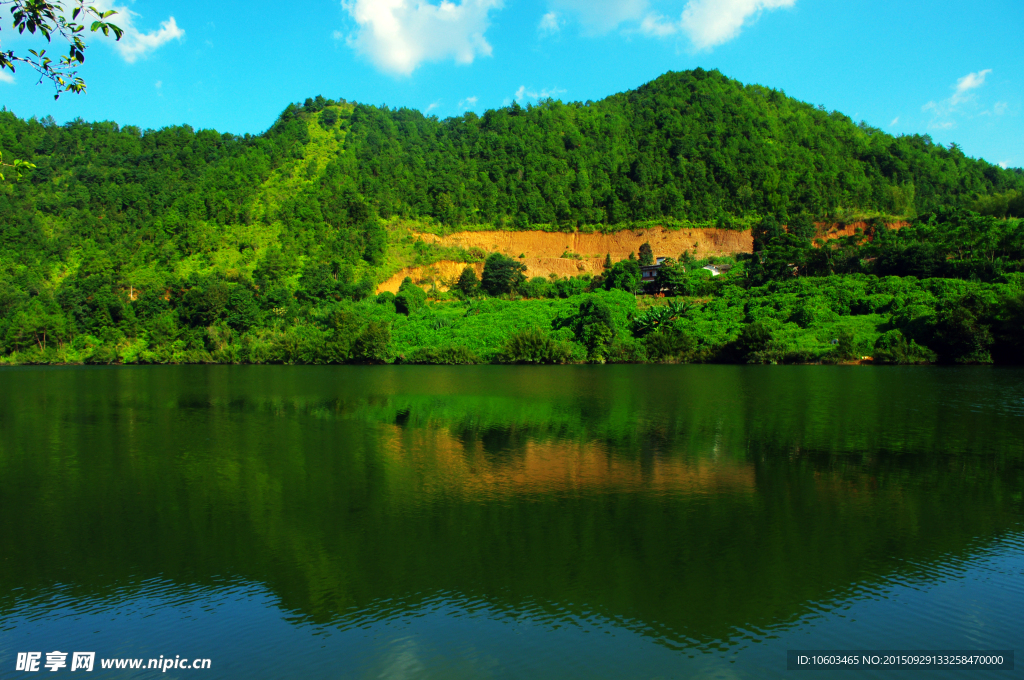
(124, 245)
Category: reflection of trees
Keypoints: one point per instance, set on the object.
(685, 516)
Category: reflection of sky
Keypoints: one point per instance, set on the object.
(964, 603)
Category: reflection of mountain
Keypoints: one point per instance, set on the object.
(686, 513)
(498, 462)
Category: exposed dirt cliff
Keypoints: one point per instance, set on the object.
(543, 251)
(619, 245)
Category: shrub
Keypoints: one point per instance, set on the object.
(449, 356)
(594, 327)
(502, 275)
(814, 311)
(468, 283)
(537, 287)
(627, 351)
(844, 348)
(755, 337)
(534, 346)
(104, 354)
(893, 347)
(374, 344)
(624, 275)
(669, 344)
(410, 297)
(566, 288)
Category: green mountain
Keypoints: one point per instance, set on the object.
(120, 235)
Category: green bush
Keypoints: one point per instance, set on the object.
(570, 287)
(104, 354)
(502, 275)
(892, 347)
(624, 275)
(448, 355)
(755, 343)
(669, 344)
(410, 297)
(374, 344)
(537, 287)
(534, 346)
(468, 283)
(594, 327)
(844, 349)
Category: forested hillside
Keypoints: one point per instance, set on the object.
(173, 245)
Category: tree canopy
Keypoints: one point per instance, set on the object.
(195, 243)
(53, 20)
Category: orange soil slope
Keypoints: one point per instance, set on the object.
(438, 272)
(620, 244)
(830, 231)
(543, 250)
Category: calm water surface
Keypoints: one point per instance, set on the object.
(505, 522)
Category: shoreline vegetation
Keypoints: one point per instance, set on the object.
(349, 233)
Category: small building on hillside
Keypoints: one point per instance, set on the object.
(717, 269)
(648, 273)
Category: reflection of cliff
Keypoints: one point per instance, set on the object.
(687, 512)
(497, 462)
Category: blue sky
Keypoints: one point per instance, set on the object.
(951, 69)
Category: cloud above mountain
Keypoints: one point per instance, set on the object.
(399, 35)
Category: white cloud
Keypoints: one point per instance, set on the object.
(706, 23)
(398, 35)
(1000, 108)
(712, 22)
(600, 16)
(524, 94)
(550, 23)
(971, 81)
(657, 26)
(6, 77)
(337, 35)
(960, 104)
(468, 102)
(137, 44)
(433, 106)
(1004, 164)
(894, 121)
(134, 43)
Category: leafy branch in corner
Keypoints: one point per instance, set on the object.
(50, 20)
(17, 166)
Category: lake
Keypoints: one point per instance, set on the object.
(507, 522)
